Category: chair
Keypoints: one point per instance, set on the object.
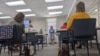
(64, 38)
(39, 40)
(31, 37)
(45, 39)
(84, 30)
(10, 35)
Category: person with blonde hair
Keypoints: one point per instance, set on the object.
(31, 28)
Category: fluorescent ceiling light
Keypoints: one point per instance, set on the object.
(53, 0)
(96, 10)
(4, 17)
(27, 15)
(23, 10)
(15, 3)
(1, 13)
(55, 12)
(55, 7)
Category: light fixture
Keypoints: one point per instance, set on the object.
(4, 17)
(55, 12)
(23, 10)
(27, 15)
(1, 13)
(55, 7)
(96, 10)
(53, 0)
(15, 3)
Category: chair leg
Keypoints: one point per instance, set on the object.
(38, 46)
(35, 49)
(0, 49)
(68, 50)
(87, 48)
(74, 49)
(91, 44)
(42, 44)
(98, 46)
(11, 51)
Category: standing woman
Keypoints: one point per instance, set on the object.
(52, 34)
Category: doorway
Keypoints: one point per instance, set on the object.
(51, 22)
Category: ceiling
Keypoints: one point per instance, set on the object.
(39, 7)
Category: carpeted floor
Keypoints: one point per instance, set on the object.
(52, 50)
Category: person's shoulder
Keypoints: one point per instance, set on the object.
(87, 14)
(75, 14)
(78, 14)
(11, 22)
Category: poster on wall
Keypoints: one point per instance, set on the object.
(26, 23)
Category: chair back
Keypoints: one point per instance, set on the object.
(39, 39)
(63, 34)
(6, 32)
(84, 27)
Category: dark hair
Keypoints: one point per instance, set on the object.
(65, 23)
(19, 17)
(80, 7)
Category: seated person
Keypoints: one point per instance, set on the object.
(18, 20)
(64, 26)
(80, 13)
(31, 28)
(41, 31)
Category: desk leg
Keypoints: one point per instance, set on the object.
(42, 44)
(34, 49)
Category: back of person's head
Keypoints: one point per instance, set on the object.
(65, 23)
(80, 7)
(51, 27)
(31, 26)
(19, 17)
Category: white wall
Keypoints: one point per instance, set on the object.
(60, 21)
(4, 22)
(42, 24)
(95, 16)
(39, 24)
(98, 7)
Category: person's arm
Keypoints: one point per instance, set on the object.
(23, 28)
(70, 22)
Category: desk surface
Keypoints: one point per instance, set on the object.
(29, 32)
(61, 30)
(39, 34)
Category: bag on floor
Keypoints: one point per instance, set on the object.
(63, 50)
